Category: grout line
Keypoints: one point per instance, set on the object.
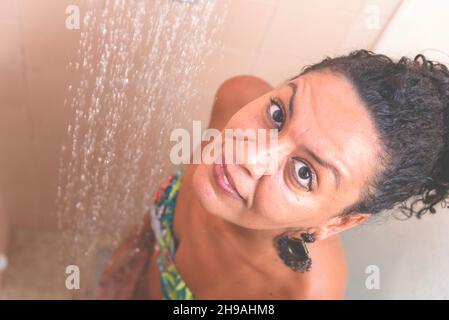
(267, 27)
(386, 25)
(26, 103)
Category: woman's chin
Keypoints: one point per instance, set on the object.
(208, 196)
(219, 204)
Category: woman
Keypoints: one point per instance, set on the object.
(358, 134)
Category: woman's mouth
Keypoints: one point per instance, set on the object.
(224, 180)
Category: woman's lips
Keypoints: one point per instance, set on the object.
(224, 180)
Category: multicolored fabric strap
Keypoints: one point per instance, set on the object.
(173, 287)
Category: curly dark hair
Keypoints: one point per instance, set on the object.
(408, 101)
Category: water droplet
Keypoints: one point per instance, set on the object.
(131, 54)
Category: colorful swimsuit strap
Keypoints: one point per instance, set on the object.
(173, 287)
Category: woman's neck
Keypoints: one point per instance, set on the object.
(228, 236)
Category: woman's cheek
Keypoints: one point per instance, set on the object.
(200, 183)
(273, 206)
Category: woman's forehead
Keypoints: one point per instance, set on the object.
(330, 102)
(330, 119)
(324, 84)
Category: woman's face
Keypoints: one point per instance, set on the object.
(318, 113)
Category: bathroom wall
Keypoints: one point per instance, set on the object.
(410, 257)
(35, 48)
(268, 38)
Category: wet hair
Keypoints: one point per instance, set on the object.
(408, 101)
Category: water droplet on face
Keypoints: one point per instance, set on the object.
(79, 206)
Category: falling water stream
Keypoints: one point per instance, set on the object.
(139, 63)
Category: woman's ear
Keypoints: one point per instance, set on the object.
(338, 224)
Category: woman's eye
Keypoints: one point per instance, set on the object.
(302, 173)
(276, 113)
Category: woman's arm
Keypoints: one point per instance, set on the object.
(125, 274)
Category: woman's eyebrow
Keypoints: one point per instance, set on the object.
(292, 98)
(326, 165)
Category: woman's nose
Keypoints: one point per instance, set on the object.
(258, 155)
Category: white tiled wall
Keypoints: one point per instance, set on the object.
(275, 38)
(272, 39)
(415, 249)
